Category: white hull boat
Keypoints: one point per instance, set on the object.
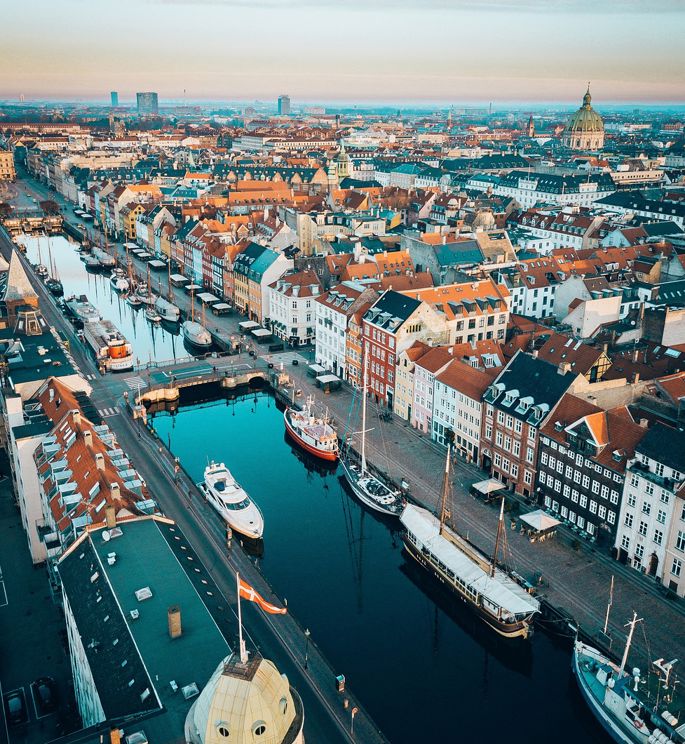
(196, 335)
(231, 501)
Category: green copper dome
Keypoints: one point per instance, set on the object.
(586, 119)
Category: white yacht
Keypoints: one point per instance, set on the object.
(196, 335)
(232, 502)
(167, 310)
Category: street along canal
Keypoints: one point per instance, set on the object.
(425, 669)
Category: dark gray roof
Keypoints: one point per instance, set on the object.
(665, 445)
(529, 377)
(391, 310)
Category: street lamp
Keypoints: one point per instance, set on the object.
(306, 648)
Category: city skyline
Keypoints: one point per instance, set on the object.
(469, 52)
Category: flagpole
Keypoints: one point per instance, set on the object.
(241, 643)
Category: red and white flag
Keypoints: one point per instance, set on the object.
(252, 595)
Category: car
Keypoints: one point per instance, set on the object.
(45, 694)
(295, 362)
(15, 705)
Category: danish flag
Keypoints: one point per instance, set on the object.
(252, 595)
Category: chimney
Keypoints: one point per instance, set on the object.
(174, 621)
(99, 461)
(115, 490)
(76, 418)
(563, 368)
(535, 354)
(644, 423)
(88, 438)
(110, 517)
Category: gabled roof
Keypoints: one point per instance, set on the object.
(391, 310)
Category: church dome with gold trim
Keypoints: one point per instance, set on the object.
(585, 129)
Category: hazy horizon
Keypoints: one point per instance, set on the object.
(426, 52)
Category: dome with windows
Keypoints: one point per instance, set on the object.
(246, 702)
(585, 129)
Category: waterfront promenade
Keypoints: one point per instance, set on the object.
(577, 580)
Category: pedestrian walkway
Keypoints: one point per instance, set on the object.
(135, 382)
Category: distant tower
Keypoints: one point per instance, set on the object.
(148, 103)
(114, 99)
(449, 119)
(531, 127)
(284, 105)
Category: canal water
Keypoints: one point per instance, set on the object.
(150, 341)
(425, 669)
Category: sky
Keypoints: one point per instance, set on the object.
(418, 51)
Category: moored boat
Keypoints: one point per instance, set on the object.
(105, 260)
(231, 501)
(80, 310)
(54, 286)
(488, 590)
(370, 489)
(133, 299)
(623, 703)
(119, 281)
(196, 335)
(152, 315)
(167, 310)
(112, 351)
(313, 433)
(92, 262)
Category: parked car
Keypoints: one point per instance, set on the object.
(45, 694)
(15, 706)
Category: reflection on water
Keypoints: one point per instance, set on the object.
(150, 341)
(423, 667)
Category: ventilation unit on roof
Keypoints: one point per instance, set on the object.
(190, 691)
(144, 593)
(135, 614)
(138, 737)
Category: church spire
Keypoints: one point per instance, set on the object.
(587, 98)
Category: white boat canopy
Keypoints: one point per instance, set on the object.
(540, 521)
(500, 590)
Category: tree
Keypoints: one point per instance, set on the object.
(49, 207)
(5, 210)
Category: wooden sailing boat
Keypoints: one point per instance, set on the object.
(368, 488)
(52, 282)
(489, 591)
(195, 334)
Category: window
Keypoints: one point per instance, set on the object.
(527, 477)
(625, 542)
(680, 541)
(583, 500)
(586, 481)
(665, 497)
(611, 517)
(676, 566)
(500, 417)
(593, 507)
(614, 497)
(530, 455)
(574, 495)
(631, 499)
(517, 448)
(658, 537)
(643, 529)
(499, 438)
(544, 458)
(532, 432)
(518, 426)
(510, 422)
(602, 511)
(639, 552)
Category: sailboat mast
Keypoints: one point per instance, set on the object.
(629, 640)
(364, 362)
(611, 601)
(445, 490)
(498, 538)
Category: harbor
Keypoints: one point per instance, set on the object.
(342, 570)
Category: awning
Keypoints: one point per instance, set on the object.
(540, 521)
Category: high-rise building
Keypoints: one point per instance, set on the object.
(114, 99)
(283, 105)
(147, 103)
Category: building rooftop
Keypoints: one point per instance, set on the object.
(149, 554)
